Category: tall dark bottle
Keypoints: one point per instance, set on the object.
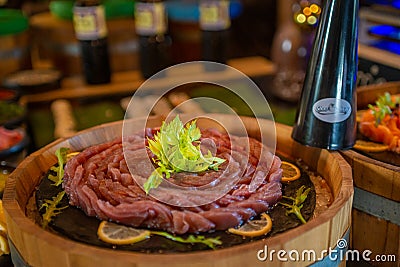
(91, 31)
(214, 24)
(154, 42)
(326, 115)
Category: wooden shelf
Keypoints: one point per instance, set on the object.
(129, 81)
(380, 56)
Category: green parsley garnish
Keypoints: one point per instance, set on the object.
(51, 208)
(297, 203)
(177, 148)
(210, 242)
(61, 154)
(383, 106)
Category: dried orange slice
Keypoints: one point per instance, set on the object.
(3, 179)
(290, 172)
(254, 227)
(3, 223)
(2, 215)
(3, 228)
(4, 248)
(119, 234)
(369, 146)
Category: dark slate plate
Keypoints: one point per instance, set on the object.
(74, 224)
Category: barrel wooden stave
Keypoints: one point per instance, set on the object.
(377, 235)
(370, 231)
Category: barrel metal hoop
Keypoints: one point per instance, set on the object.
(16, 257)
(376, 205)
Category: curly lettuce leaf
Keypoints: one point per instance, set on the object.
(383, 107)
(61, 154)
(51, 208)
(210, 242)
(177, 148)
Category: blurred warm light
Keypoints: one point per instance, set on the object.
(315, 9)
(300, 18)
(307, 11)
(312, 20)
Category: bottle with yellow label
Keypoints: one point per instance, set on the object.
(91, 31)
(154, 42)
(214, 24)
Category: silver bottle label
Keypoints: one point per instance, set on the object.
(332, 110)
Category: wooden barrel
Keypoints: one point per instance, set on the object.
(376, 220)
(61, 48)
(37, 247)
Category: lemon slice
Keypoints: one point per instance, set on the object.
(119, 234)
(3, 228)
(3, 179)
(4, 248)
(290, 172)
(254, 227)
(368, 146)
(2, 215)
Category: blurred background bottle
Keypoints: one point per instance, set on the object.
(91, 31)
(326, 115)
(291, 47)
(154, 42)
(214, 24)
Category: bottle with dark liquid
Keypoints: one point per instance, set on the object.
(326, 115)
(154, 42)
(91, 31)
(214, 24)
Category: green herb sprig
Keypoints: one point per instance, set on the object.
(61, 154)
(383, 106)
(177, 148)
(210, 242)
(51, 208)
(297, 203)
